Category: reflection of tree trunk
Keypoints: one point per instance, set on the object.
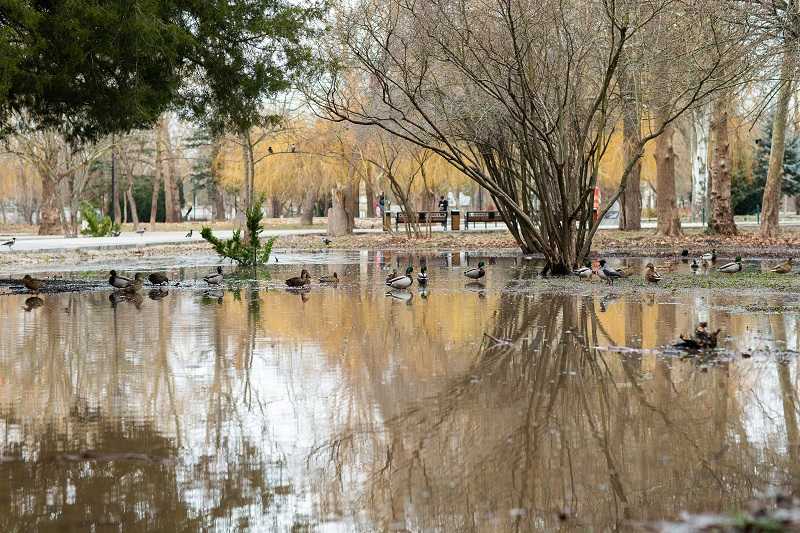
(720, 220)
(789, 400)
(669, 222)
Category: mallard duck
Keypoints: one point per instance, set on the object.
(695, 264)
(216, 278)
(401, 282)
(136, 284)
(158, 278)
(710, 256)
(732, 267)
(10, 243)
(783, 268)
(299, 281)
(607, 273)
(334, 278)
(476, 273)
(422, 277)
(584, 272)
(651, 275)
(31, 284)
(392, 275)
(117, 281)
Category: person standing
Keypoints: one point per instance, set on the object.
(382, 204)
(443, 204)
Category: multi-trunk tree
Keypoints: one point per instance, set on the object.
(523, 96)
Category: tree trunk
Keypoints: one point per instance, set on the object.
(369, 189)
(275, 207)
(156, 179)
(337, 215)
(771, 202)
(307, 208)
(114, 173)
(700, 125)
(169, 208)
(669, 222)
(720, 220)
(49, 219)
(218, 203)
(174, 214)
(630, 213)
(134, 207)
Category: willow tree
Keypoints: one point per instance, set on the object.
(520, 95)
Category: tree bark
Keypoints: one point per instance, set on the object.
(174, 213)
(49, 219)
(275, 207)
(771, 201)
(249, 168)
(369, 188)
(133, 206)
(669, 222)
(156, 180)
(630, 214)
(337, 215)
(720, 220)
(307, 209)
(115, 173)
(700, 127)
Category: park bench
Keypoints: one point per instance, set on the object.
(423, 217)
(482, 216)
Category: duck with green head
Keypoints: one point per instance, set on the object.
(117, 281)
(476, 273)
(401, 282)
(732, 267)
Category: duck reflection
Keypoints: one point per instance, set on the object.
(34, 302)
(158, 294)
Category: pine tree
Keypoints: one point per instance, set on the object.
(747, 194)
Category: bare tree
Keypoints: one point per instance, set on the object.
(521, 95)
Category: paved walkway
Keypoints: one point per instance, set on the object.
(35, 243)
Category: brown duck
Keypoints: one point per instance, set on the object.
(32, 284)
(783, 268)
(300, 281)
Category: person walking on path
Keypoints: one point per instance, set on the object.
(443, 204)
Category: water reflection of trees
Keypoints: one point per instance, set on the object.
(543, 423)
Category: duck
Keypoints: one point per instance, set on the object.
(422, 277)
(326, 241)
(158, 278)
(401, 282)
(584, 272)
(136, 284)
(783, 268)
(732, 267)
(695, 265)
(685, 255)
(117, 281)
(650, 274)
(702, 339)
(333, 278)
(607, 273)
(31, 284)
(392, 275)
(216, 278)
(300, 281)
(710, 256)
(476, 273)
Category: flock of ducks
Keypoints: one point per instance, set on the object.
(651, 275)
(404, 281)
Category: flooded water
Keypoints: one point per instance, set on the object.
(493, 407)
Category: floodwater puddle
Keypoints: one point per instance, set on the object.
(458, 407)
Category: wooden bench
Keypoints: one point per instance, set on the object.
(423, 217)
(482, 216)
